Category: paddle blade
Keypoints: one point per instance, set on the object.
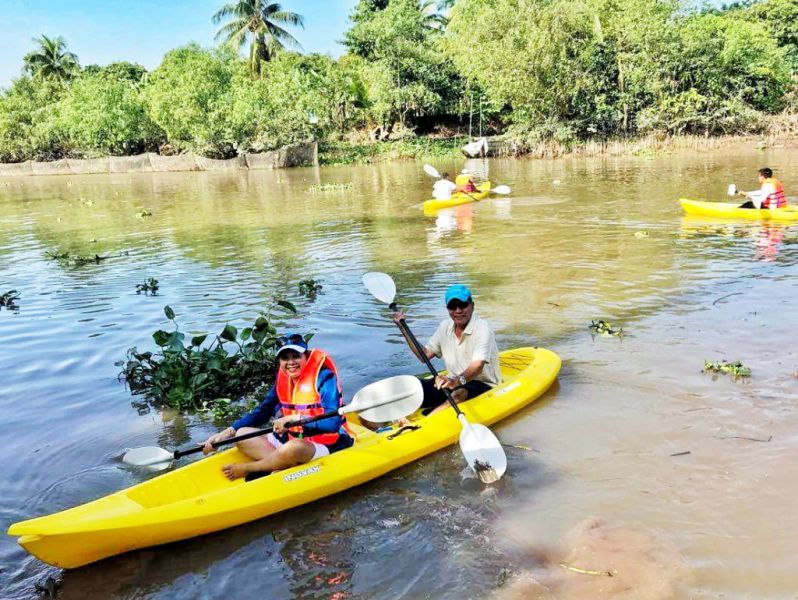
(732, 191)
(501, 189)
(148, 456)
(432, 171)
(388, 399)
(483, 451)
(380, 285)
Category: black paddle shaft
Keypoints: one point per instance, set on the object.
(245, 436)
(422, 352)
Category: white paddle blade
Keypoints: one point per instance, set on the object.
(147, 456)
(483, 451)
(501, 189)
(381, 286)
(732, 191)
(388, 399)
(432, 171)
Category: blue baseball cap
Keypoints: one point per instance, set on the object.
(458, 292)
(291, 341)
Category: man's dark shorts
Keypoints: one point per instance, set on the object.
(434, 397)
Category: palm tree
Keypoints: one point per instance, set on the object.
(432, 18)
(51, 60)
(255, 21)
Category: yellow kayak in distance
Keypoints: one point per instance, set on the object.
(730, 210)
(458, 198)
(198, 499)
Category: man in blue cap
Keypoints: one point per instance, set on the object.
(467, 345)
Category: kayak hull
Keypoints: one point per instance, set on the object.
(730, 210)
(198, 499)
(459, 198)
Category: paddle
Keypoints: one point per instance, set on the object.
(381, 401)
(479, 446)
(499, 189)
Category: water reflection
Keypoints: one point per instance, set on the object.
(542, 263)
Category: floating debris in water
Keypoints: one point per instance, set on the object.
(309, 288)
(641, 234)
(9, 300)
(331, 187)
(601, 327)
(143, 213)
(149, 287)
(736, 369)
(586, 571)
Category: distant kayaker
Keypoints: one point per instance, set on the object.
(467, 345)
(307, 385)
(464, 182)
(769, 195)
(443, 188)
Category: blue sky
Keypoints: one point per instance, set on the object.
(104, 31)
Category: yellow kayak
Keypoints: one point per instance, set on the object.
(458, 198)
(198, 499)
(731, 210)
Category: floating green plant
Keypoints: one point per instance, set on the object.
(331, 187)
(9, 300)
(309, 288)
(150, 286)
(197, 377)
(736, 369)
(601, 327)
(78, 260)
(143, 213)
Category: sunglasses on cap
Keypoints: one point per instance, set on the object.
(293, 339)
(458, 304)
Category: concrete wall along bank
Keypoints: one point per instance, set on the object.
(295, 155)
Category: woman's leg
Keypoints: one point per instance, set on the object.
(268, 457)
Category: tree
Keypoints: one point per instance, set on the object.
(256, 22)
(405, 70)
(189, 98)
(51, 60)
(105, 112)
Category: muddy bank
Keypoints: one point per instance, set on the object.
(294, 155)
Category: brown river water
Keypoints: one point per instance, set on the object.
(635, 476)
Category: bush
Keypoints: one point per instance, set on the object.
(190, 376)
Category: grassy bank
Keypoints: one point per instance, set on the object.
(348, 153)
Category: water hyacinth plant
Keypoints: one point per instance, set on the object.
(9, 300)
(601, 327)
(309, 288)
(736, 369)
(192, 375)
(150, 286)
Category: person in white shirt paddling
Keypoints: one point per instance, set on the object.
(769, 195)
(443, 188)
(467, 345)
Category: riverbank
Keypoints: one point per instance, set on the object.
(295, 155)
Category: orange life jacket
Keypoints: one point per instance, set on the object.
(777, 199)
(302, 399)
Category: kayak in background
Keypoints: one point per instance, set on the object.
(731, 210)
(458, 198)
(198, 498)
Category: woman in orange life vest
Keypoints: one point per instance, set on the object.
(307, 385)
(769, 195)
(465, 182)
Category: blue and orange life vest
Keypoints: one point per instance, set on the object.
(777, 199)
(301, 399)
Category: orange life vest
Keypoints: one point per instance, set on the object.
(302, 399)
(777, 199)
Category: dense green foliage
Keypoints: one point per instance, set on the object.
(566, 70)
(196, 375)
